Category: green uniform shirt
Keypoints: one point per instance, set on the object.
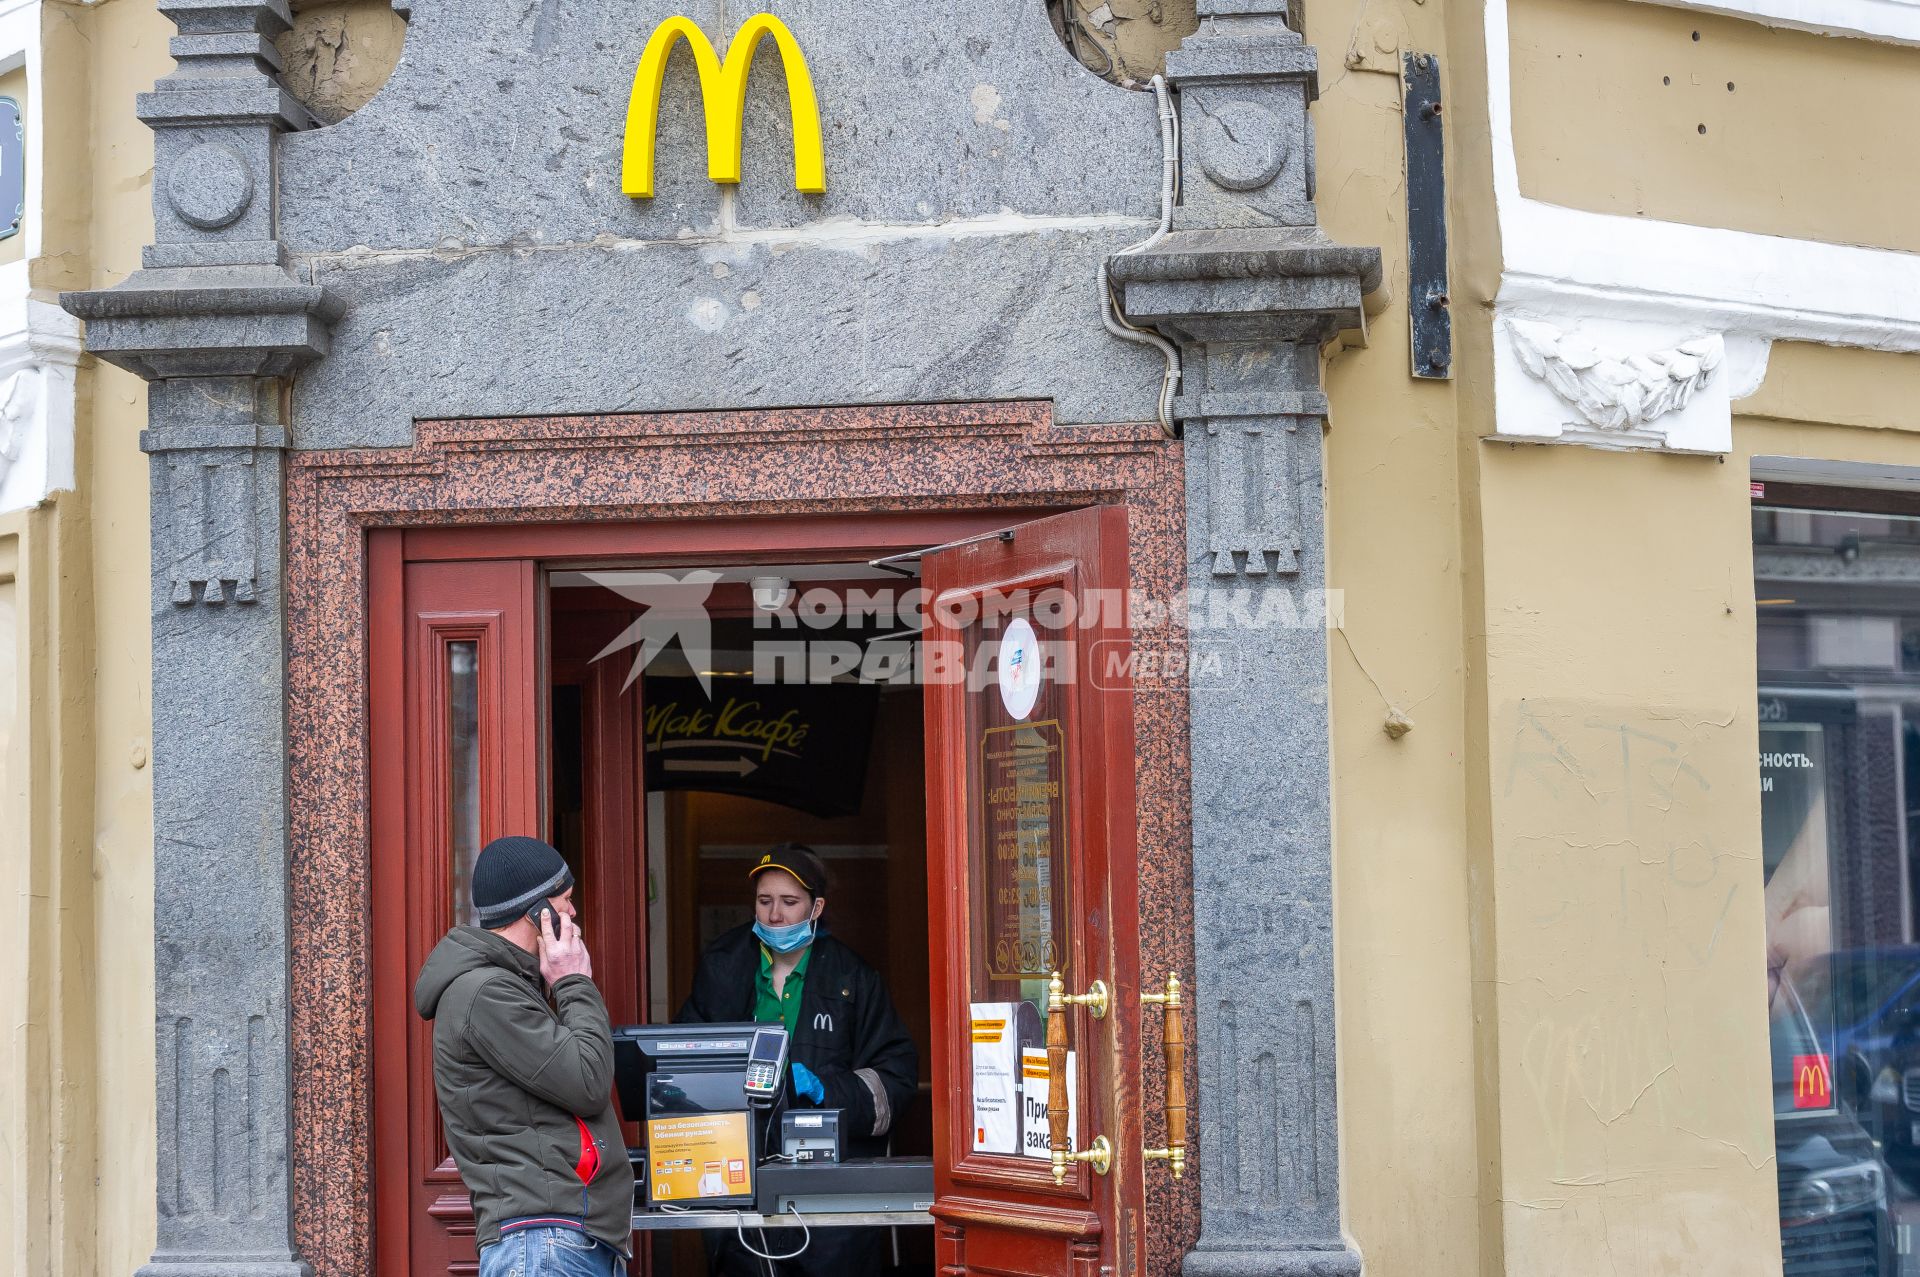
(784, 1006)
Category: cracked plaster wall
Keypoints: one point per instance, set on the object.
(339, 53)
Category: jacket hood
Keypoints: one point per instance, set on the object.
(465, 949)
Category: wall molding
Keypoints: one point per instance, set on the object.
(1889, 21)
(1572, 267)
(40, 349)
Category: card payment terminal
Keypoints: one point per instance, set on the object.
(766, 1064)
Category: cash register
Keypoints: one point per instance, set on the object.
(711, 1101)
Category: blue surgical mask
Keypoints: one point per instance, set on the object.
(785, 939)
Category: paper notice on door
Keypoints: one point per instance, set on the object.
(996, 1081)
(1035, 1087)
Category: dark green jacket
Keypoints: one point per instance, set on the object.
(525, 1088)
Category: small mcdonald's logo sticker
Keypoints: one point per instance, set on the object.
(1812, 1082)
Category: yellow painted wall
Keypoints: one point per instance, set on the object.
(1403, 975)
(98, 57)
(1622, 880)
(1630, 108)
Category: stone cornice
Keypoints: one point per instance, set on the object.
(1247, 284)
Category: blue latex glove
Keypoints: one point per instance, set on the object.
(806, 1084)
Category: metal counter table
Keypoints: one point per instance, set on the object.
(647, 1221)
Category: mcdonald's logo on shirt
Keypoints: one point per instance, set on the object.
(1812, 1082)
(723, 94)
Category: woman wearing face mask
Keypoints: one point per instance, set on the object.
(849, 1049)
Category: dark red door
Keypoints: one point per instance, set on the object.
(1031, 847)
(457, 704)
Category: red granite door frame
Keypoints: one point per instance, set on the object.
(694, 480)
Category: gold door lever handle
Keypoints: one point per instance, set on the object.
(1100, 1157)
(1096, 1001)
(1175, 1039)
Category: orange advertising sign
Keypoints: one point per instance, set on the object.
(1812, 1082)
(706, 1155)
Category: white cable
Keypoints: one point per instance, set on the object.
(1110, 315)
(806, 1238)
(740, 1229)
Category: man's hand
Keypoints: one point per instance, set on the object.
(565, 956)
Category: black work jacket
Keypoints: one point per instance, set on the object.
(847, 1032)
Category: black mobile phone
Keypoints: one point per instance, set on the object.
(545, 919)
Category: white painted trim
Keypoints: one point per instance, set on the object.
(40, 348)
(1673, 281)
(1575, 262)
(1893, 21)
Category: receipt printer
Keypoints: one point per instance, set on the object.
(810, 1135)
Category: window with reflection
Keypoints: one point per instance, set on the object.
(1837, 583)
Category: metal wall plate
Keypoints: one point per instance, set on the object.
(1427, 299)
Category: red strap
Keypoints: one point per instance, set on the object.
(589, 1163)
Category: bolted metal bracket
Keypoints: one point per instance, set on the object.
(1427, 299)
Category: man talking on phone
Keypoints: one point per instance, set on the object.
(523, 1068)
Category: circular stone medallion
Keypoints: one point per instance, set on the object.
(210, 186)
(1242, 146)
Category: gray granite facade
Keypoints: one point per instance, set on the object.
(461, 247)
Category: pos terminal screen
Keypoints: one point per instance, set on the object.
(766, 1061)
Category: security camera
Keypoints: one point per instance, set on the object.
(771, 593)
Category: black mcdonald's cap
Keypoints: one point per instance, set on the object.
(796, 860)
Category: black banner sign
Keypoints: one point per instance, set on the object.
(801, 745)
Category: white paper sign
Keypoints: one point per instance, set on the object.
(1036, 1137)
(996, 1081)
(1020, 668)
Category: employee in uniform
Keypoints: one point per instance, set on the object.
(849, 1049)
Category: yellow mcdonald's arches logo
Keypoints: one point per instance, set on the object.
(723, 93)
(1812, 1081)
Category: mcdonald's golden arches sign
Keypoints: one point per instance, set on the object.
(723, 94)
(1812, 1082)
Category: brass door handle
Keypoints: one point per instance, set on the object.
(1100, 1155)
(1175, 1041)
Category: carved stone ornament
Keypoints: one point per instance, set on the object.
(210, 186)
(19, 402)
(1243, 146)
(1612, 390)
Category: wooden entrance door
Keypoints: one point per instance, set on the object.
(1032, 854)
(458, 681)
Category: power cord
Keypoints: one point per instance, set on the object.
(1110, 313)
(740, 1230)
(806, 1239)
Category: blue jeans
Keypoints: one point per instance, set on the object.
(550, 1252)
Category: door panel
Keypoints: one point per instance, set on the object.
(1032, 851)
(455, 763)
(458, 689)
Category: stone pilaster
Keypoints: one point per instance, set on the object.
(215, 321)
(1250, 290)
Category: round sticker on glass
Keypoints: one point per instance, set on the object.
(1019, 668)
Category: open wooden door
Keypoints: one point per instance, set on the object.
(458, 694)
(1031, 834)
